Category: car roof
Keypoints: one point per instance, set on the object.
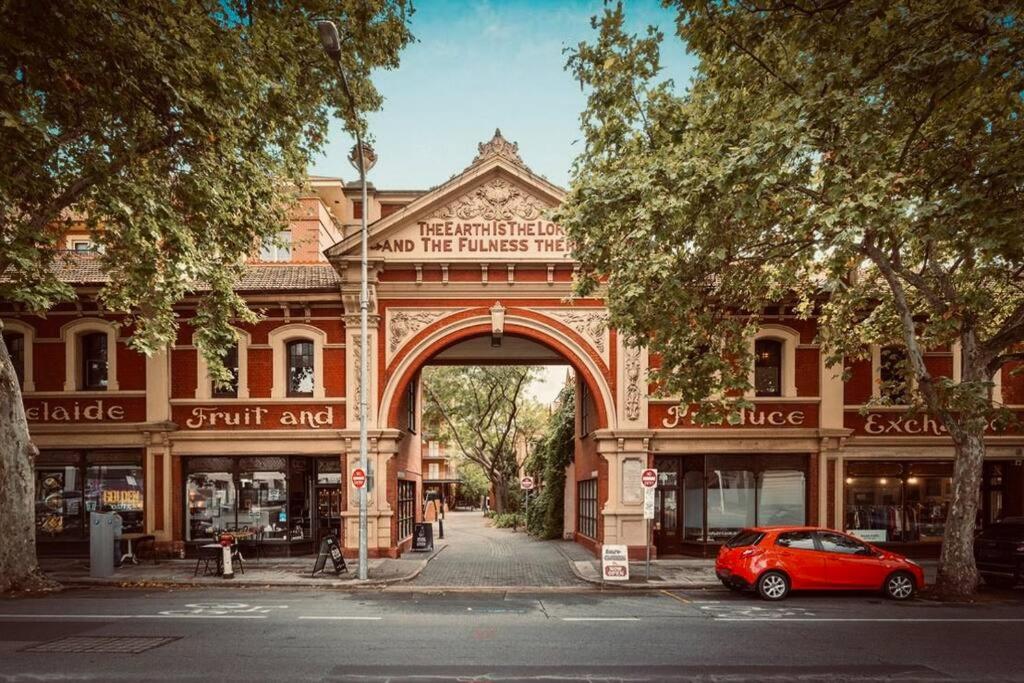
(777, 529)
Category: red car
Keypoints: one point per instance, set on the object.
(776, 560)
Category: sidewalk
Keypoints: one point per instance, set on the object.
(277, 572)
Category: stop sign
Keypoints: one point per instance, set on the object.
(358, 478)
(526, 483)
(649, 478)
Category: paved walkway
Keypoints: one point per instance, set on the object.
(476, 554)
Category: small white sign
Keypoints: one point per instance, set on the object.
(526, 483)
(615, 563)
(648, 503)
(870, 535)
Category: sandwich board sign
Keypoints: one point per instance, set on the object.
(329, 550)
(614, 563)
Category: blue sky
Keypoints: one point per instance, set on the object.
(481, 65)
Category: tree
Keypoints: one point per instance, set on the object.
(861, 161)
(548, 463)
(473, 483)
(483, 412)
(176, 133)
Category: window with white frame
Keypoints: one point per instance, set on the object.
(278, 248)
(298, 361)
(90, 362)
(773, 370)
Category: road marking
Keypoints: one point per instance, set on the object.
(342, 618)
(131, 616)
(678, 598)
(600, 618)
(955, 620)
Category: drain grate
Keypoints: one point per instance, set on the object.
(127, 645)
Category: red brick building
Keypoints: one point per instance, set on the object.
(470, 271)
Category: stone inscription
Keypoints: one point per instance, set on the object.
(485, 237)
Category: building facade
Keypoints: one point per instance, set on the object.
(471, 271)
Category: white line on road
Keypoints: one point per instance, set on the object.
(777, 620)
(600, 619)
(342, 618)
(131, 616)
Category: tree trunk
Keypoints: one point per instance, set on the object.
(500, 495)
(19, 569)
(958, 575)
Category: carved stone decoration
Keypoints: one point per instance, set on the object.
(356, 349)
(497, 199)
(402, 324)
(633, 368)
(592, 325)
(498, 146)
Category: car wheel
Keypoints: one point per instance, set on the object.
(773, 585)
(997, 581)
(899, 586)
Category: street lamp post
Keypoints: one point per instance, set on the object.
(332, 46)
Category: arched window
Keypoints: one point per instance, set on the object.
(768, 367)
(300, 369)
(231, 363)
(15, 343)
(94, 361)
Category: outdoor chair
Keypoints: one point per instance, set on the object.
(206, 557)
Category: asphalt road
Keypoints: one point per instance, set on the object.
(407, 635)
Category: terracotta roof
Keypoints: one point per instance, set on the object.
(80, 268)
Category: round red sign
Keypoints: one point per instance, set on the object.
(649, 478)
(358, 478)
(526, 483)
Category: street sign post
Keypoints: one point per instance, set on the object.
(526, 484)
(358, 478)
(649, 481)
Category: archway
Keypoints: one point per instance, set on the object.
(436, 338)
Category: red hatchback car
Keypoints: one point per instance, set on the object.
(775, 560)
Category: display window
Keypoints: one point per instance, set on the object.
(706, 499)
(71, 484)
(271, 498)
(897, 502)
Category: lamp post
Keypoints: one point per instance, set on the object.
(358, 158)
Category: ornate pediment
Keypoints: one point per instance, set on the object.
(498, 146)
(497, 199)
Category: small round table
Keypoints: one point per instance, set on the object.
(130, 555)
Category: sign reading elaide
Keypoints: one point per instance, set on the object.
(615, 563)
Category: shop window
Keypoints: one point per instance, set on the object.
(891, 501)
(300, 371)
(231, 389)
(693, 506)
(731, 503)
(94, 361)
(406, 508)
(767, 367)
(71, 484)
(116, 488)
(15, 343)
(893, 375)
(781, 498)
(268, 496)
(586, 502)
(278, 248)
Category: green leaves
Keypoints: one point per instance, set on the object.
(176, 133)
(812, 144)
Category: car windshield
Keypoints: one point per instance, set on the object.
(744, 538)
(1004, 532)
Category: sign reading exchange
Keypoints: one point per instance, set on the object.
(901, 424)
(220, 417)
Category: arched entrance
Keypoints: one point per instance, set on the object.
(436, 338)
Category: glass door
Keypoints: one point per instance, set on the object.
(668, 525)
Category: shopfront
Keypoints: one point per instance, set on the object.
(702, 500)
(286, 503)
(70, 484)
(901, 502)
